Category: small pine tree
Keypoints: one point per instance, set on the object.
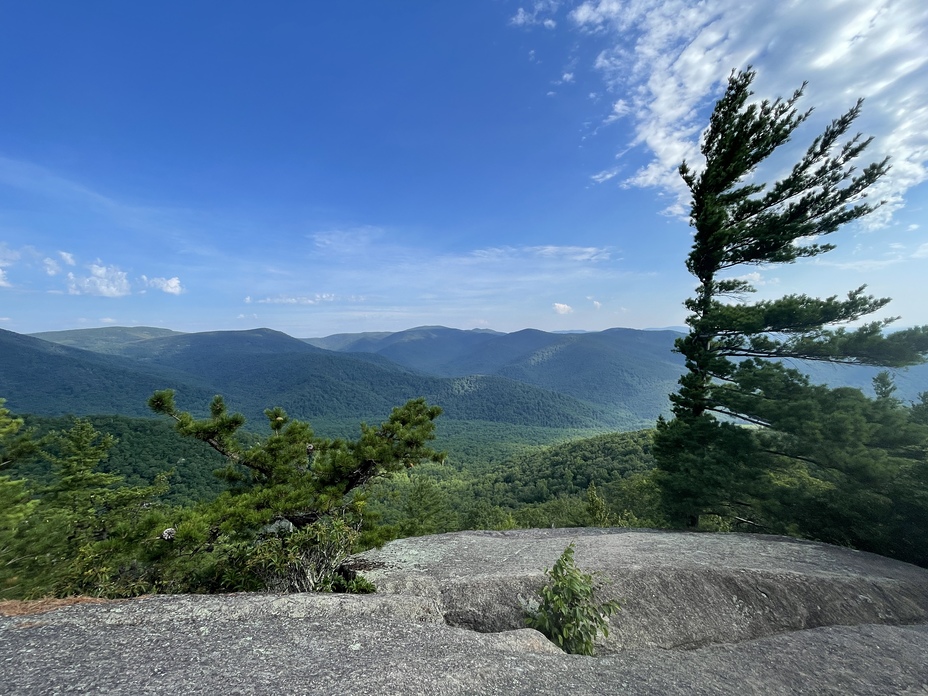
(296, 502)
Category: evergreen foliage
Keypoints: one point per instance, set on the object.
(142, 448)
(287, 520)
(80, 530)
(537, 487)
(16, 504)
(752, 441)
(295, 506)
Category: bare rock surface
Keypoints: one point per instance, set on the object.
(847, 623)
(678, 590)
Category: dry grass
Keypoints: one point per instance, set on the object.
(18, 607)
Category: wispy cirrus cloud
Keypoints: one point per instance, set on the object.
(668, 61)
(296, 300)
(564, 253)
(605, 175)
(348, 240)
(394, 284)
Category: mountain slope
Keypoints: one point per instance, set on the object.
(37, 376)
(622, 369)
(108, 339)
(261, 368)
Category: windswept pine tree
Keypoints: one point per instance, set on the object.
(751, 439)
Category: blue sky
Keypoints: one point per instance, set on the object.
(373, 166)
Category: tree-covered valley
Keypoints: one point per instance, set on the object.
(522, 444)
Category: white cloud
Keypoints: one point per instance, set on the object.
(7, 257)
(299, 300)
(67, 258)
(557, 253)
(104, 281)
(669, 61)
(107, 320)
(572, 253)
(521, 18)
(562, 308)
(865, 265)
(171, 286)
(567, 77)
(539, 14)
(757, 279)
(352, 240)
(605, 175)
(921, 252)
(51, 266)
(620, 109)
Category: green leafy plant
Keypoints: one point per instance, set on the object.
(295, 504)
(568, 614)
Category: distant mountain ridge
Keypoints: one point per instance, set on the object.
(107, 339)
(610, 368)
(617, 379)
(258, 368)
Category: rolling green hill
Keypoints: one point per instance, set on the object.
(617, 379)
(616, 367)
(46, 378)
(260, 368)
(622, 369)
(108, 339)
(434, 350)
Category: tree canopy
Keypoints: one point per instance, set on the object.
(747, 426)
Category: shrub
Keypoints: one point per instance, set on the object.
(568, 614)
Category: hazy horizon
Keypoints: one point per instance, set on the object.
(337, 333)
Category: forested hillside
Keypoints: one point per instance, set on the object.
(144, 448)
(46, 378)
(530, 435)
(619, 378)
(104, 339)
(614, 368)
(255, 368)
